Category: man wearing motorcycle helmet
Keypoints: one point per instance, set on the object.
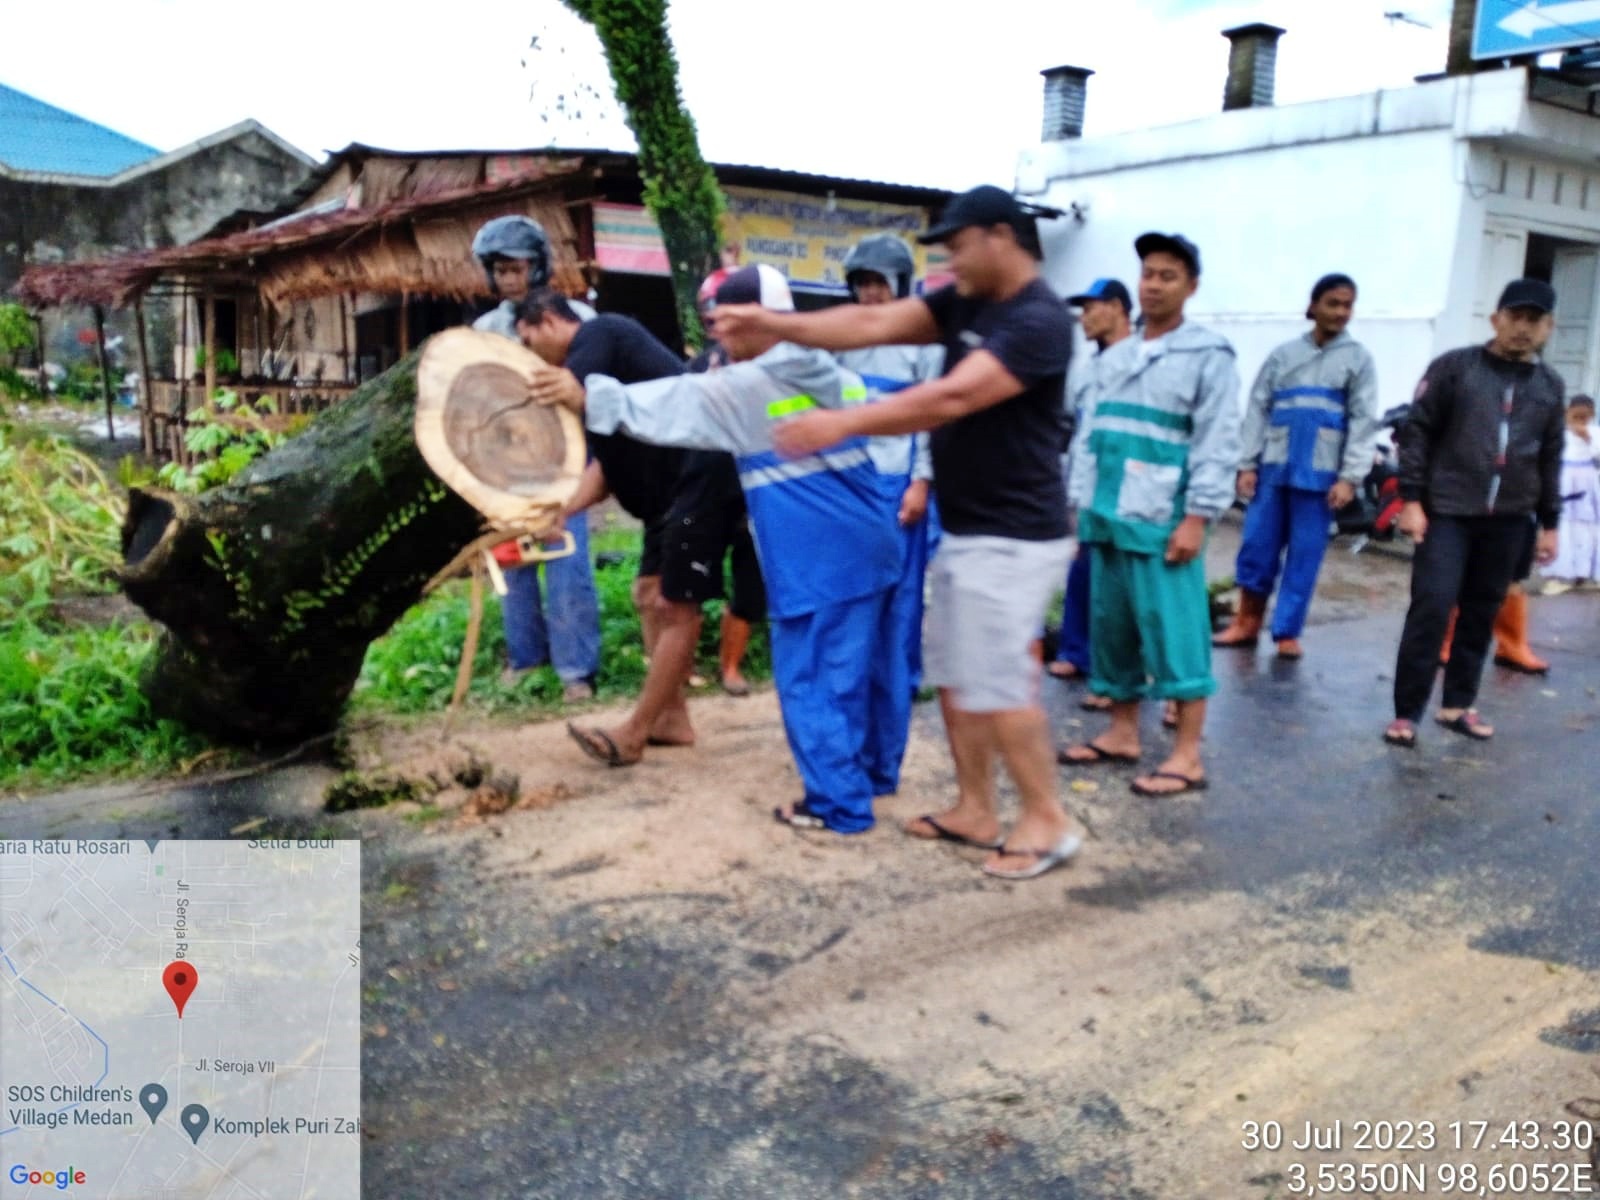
(515, 254)
(878, 269)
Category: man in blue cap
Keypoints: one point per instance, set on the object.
(1309, 433)
(1106, 316)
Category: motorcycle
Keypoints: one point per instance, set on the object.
(1374, 514)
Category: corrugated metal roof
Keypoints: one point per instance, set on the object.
(35, 136)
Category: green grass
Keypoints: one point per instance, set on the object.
(70, 705)
(412, 668)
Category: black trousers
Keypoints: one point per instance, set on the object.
(1465, 563)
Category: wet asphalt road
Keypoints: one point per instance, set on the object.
(548, 1049)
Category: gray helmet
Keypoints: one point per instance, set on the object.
(886, 255)
(513, 237)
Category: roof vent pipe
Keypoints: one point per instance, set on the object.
(1065, 92)
(1252, 66)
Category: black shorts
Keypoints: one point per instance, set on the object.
(650, 553)
(687, 549)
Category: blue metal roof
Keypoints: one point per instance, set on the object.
(35, 136)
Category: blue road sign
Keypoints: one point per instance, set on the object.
(1510, 27)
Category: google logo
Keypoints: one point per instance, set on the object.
(60, 1180)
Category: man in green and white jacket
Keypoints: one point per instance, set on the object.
(1152, 467)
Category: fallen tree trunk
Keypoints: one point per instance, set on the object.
(272, 586)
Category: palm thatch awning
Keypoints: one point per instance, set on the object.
(421, 246)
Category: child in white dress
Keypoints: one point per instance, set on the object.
(1577, 561)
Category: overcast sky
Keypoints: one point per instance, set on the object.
(913, 91)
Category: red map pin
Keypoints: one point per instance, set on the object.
(179, 979)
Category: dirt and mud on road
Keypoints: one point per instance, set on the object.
(636, 984)
(633, 983)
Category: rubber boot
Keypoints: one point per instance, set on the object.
(1511, 647)
(1245, 630)
(735, 638)
(1449, 636)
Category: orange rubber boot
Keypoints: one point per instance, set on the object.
(1511, 647)
(1246, 627)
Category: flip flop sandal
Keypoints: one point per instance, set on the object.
(736, 689)
(1168, 720)
(1468, 724)
(1521, 668)
(1070, 672)
(597, 744)
(1101, 756)
(1401, 733)
(799, 816)
(1043, 860)
(942, 834)
(1095, 704)
(1189, 785)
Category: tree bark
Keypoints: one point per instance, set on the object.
(680, 189)
(272, 586)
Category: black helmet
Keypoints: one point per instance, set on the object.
(883, 254)
(514, 237)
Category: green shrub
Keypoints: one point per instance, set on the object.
(70, 704)
(16, 332)
(59, 523)
(227, 361)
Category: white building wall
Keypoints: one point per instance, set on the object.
(1426, 195)
(1385, 210)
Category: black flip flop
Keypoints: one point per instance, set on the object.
(1095, 704)
(1468, 724)
(950, 835)
(1101, 757)
(799, 816)
(1189, 785)
(1405, 736)
(609, 756)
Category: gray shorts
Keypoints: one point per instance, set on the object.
(986, 606)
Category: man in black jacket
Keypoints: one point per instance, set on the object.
(1480, 459)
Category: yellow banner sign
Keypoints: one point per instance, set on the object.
(807, 237)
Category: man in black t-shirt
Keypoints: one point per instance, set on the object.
(998, 427)
(648, 481)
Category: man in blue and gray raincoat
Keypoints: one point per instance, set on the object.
(1309, 435)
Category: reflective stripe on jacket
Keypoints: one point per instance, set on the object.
(1312, 417)
(1158, 438)
(886, 370)
(822, 529)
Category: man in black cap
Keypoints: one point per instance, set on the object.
(998, 421)
(1480, 458)
(1310, 428)
(1153, 466)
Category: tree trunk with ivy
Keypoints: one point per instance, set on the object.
(272, 585)
(680, 189)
